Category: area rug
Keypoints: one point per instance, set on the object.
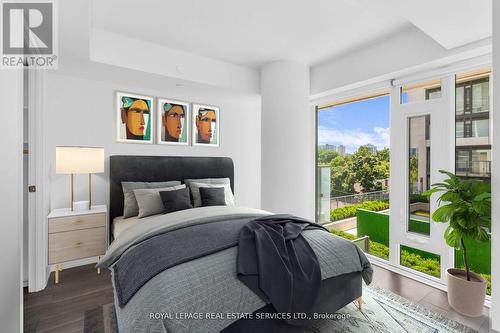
(382, 312)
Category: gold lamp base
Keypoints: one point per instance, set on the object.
(72, 197)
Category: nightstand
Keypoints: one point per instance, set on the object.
(76, 235)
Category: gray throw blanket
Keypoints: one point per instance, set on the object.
(168, 249)
(277, 263)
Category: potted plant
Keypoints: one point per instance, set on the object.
(467, 209)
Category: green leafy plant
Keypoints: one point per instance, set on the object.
(467, 209)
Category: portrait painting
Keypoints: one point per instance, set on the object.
(134, 114)
(206, 129)
(173, 122)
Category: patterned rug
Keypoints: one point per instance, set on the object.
(383, 312)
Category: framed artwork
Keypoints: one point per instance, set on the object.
(206, 129)
(134, 115)
(173, 122)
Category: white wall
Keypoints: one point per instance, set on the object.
(288, 146)
(114, 49)
(80, 111)
(495, 177)
(11, 175)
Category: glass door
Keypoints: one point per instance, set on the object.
(422, 143)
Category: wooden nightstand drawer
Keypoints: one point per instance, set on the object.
(77, 222)
(72, 245)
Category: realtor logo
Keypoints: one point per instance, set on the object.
(29, 34)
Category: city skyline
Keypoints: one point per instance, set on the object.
(355, 124)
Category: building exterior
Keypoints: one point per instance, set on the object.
(472, 126)
(341, 150)
(328, 147)
(472, 121)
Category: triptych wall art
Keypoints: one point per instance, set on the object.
(173, 122)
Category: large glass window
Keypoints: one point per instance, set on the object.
(472, 125)
(419, 174)
(473, 151)
(352, 193)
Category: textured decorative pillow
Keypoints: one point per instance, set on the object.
(175, 200)
(130, 207)
(149, 200)
(195, 192)
(212, 196)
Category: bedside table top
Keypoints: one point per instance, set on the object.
(61, 212)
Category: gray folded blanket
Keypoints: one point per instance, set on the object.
(160, 252)
(277, 263)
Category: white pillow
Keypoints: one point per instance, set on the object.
(195, 191)
(149, 200)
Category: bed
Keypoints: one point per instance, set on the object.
(202, 293)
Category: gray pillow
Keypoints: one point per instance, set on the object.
(196, 196)
(195, 191)
(130, 207)
(149, 200)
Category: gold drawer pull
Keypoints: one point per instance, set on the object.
(78, 221)
(78, 243)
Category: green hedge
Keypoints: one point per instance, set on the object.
(416, 259)
(418, 198)
(479, 255)
(419, 226)
(373, 224)
(350, 211)
(413, 259)
(376, 249)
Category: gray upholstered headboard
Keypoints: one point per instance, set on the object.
(161, 168)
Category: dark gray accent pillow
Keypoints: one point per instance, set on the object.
(212, 196)
(130, 207)
(195, 184)
(149, 200)
(175, 200)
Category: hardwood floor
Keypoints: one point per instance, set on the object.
(60, 308)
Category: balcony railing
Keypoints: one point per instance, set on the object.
(473, 168)
(347, 200)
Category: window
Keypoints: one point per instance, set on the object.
(473, 151)
(472, 125)
(419, 174)
(352, 168)
(421, 91)
(432, 93)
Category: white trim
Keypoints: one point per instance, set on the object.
(38, 172)
(462, 62)
(463, 66)
(495, 171)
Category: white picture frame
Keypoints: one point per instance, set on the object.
(214, 124)
(123, 131)
(161, 130)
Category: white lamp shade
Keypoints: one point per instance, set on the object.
(79, 160)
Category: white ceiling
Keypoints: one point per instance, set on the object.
(254, 32)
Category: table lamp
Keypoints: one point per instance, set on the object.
(78, 160)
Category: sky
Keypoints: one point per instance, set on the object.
(355, 124)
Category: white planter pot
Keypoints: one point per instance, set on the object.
(466, 297)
